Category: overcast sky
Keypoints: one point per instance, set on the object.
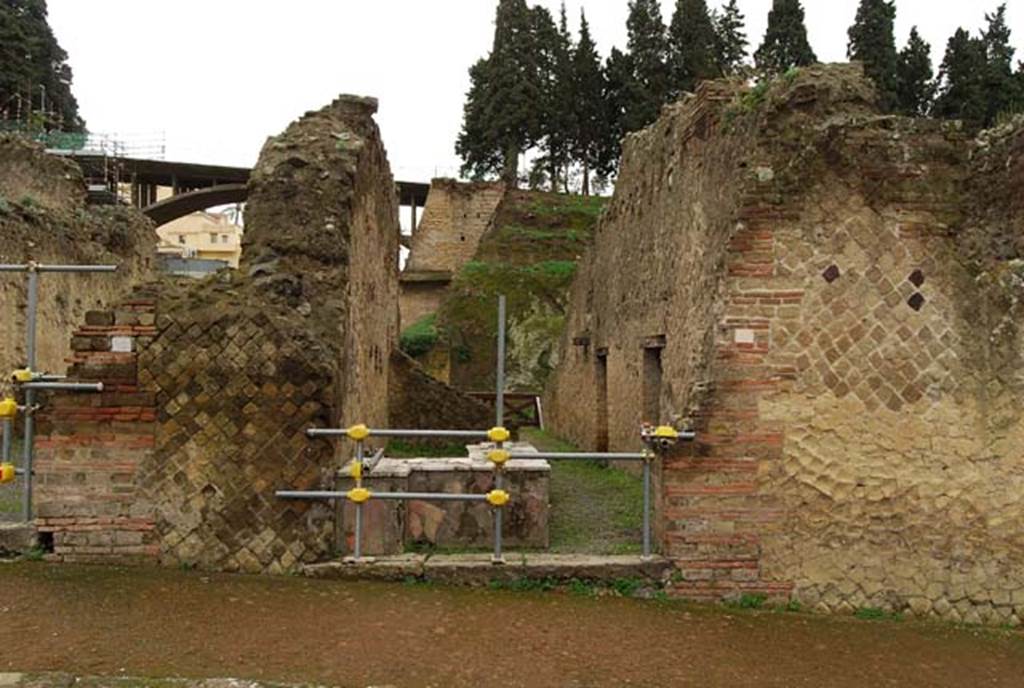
(216, 77)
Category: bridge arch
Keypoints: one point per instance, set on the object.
(183, 204)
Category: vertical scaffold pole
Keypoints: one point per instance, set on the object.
(647, 506)
(30, 394)
(358, 549)
(499, 400)
(499, 403)
(5, 457)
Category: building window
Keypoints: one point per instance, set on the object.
(213, 238)
(223, 238)
(181, 238)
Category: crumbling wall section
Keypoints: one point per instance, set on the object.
(44, 218)
(855, 375)
(235, 368)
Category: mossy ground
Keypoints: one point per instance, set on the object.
(595, 508)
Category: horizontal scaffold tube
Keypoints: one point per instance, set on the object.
(64, 386)
(581, 456)
(419, 496)
(343, 432)
(59, 268)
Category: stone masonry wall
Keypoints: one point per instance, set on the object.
(44, 218)
(851, 364)
(231, 371)
(454, 219)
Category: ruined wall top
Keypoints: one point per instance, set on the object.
(303, 187)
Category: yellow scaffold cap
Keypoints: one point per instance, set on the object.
(499, 457)
(8, 408)
(498, 435)
(23, 375)
(7, 473)
(498, 498)
(358, 432)
(359, 495)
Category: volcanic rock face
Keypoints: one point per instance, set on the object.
(831, 297)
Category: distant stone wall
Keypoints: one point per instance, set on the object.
(419, 401)
(812, 286)
(454, 219)
(43, 218)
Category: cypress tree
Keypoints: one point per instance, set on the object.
(730, 39)
(618, 80)
(555, 51)
(785, 42)
(692, 46)
(1002, 92)
(591, 121)
(915, 82)
(34, 68)
(962, 77)
(648, 89)
(504, 107)
(873, 42)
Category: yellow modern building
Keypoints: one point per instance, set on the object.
(206, 236)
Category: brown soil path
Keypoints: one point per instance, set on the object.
(171, 623)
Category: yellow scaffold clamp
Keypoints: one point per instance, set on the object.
(355, 471)
(358, 433)
(22, 376)
(499, 457)
(7, 473)
(359, 495)
(498, 498)
(499, 435)
(8, 408)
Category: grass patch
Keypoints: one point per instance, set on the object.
(595, 508)
(748, 601)
(420, 337)
(876, 614)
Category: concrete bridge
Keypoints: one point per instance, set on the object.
(194, 187)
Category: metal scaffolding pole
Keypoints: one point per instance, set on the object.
(454, 434)
(37, 382)
(499, 403)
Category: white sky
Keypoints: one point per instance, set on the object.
(216, 77)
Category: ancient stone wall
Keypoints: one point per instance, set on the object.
(811, 286)
(230, 372)
(454, 219)
(417, 400)
(43, 218)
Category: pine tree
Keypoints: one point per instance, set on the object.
(1002, 92)
(730, 39)
(33, 67)
(915, 79)
(504, 107)
(692, 46)
(647, 90)
(591, 121)
(873, 42)
(785, 42)
(962, 77)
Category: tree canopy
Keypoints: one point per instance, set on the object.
(915, 78)
(873, 42)
(785, 42)
(693, 46)
(35, 78)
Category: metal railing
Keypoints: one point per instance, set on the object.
(29, 381)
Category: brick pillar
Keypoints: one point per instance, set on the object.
(91, 446)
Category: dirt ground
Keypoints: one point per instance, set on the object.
(162, 623)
